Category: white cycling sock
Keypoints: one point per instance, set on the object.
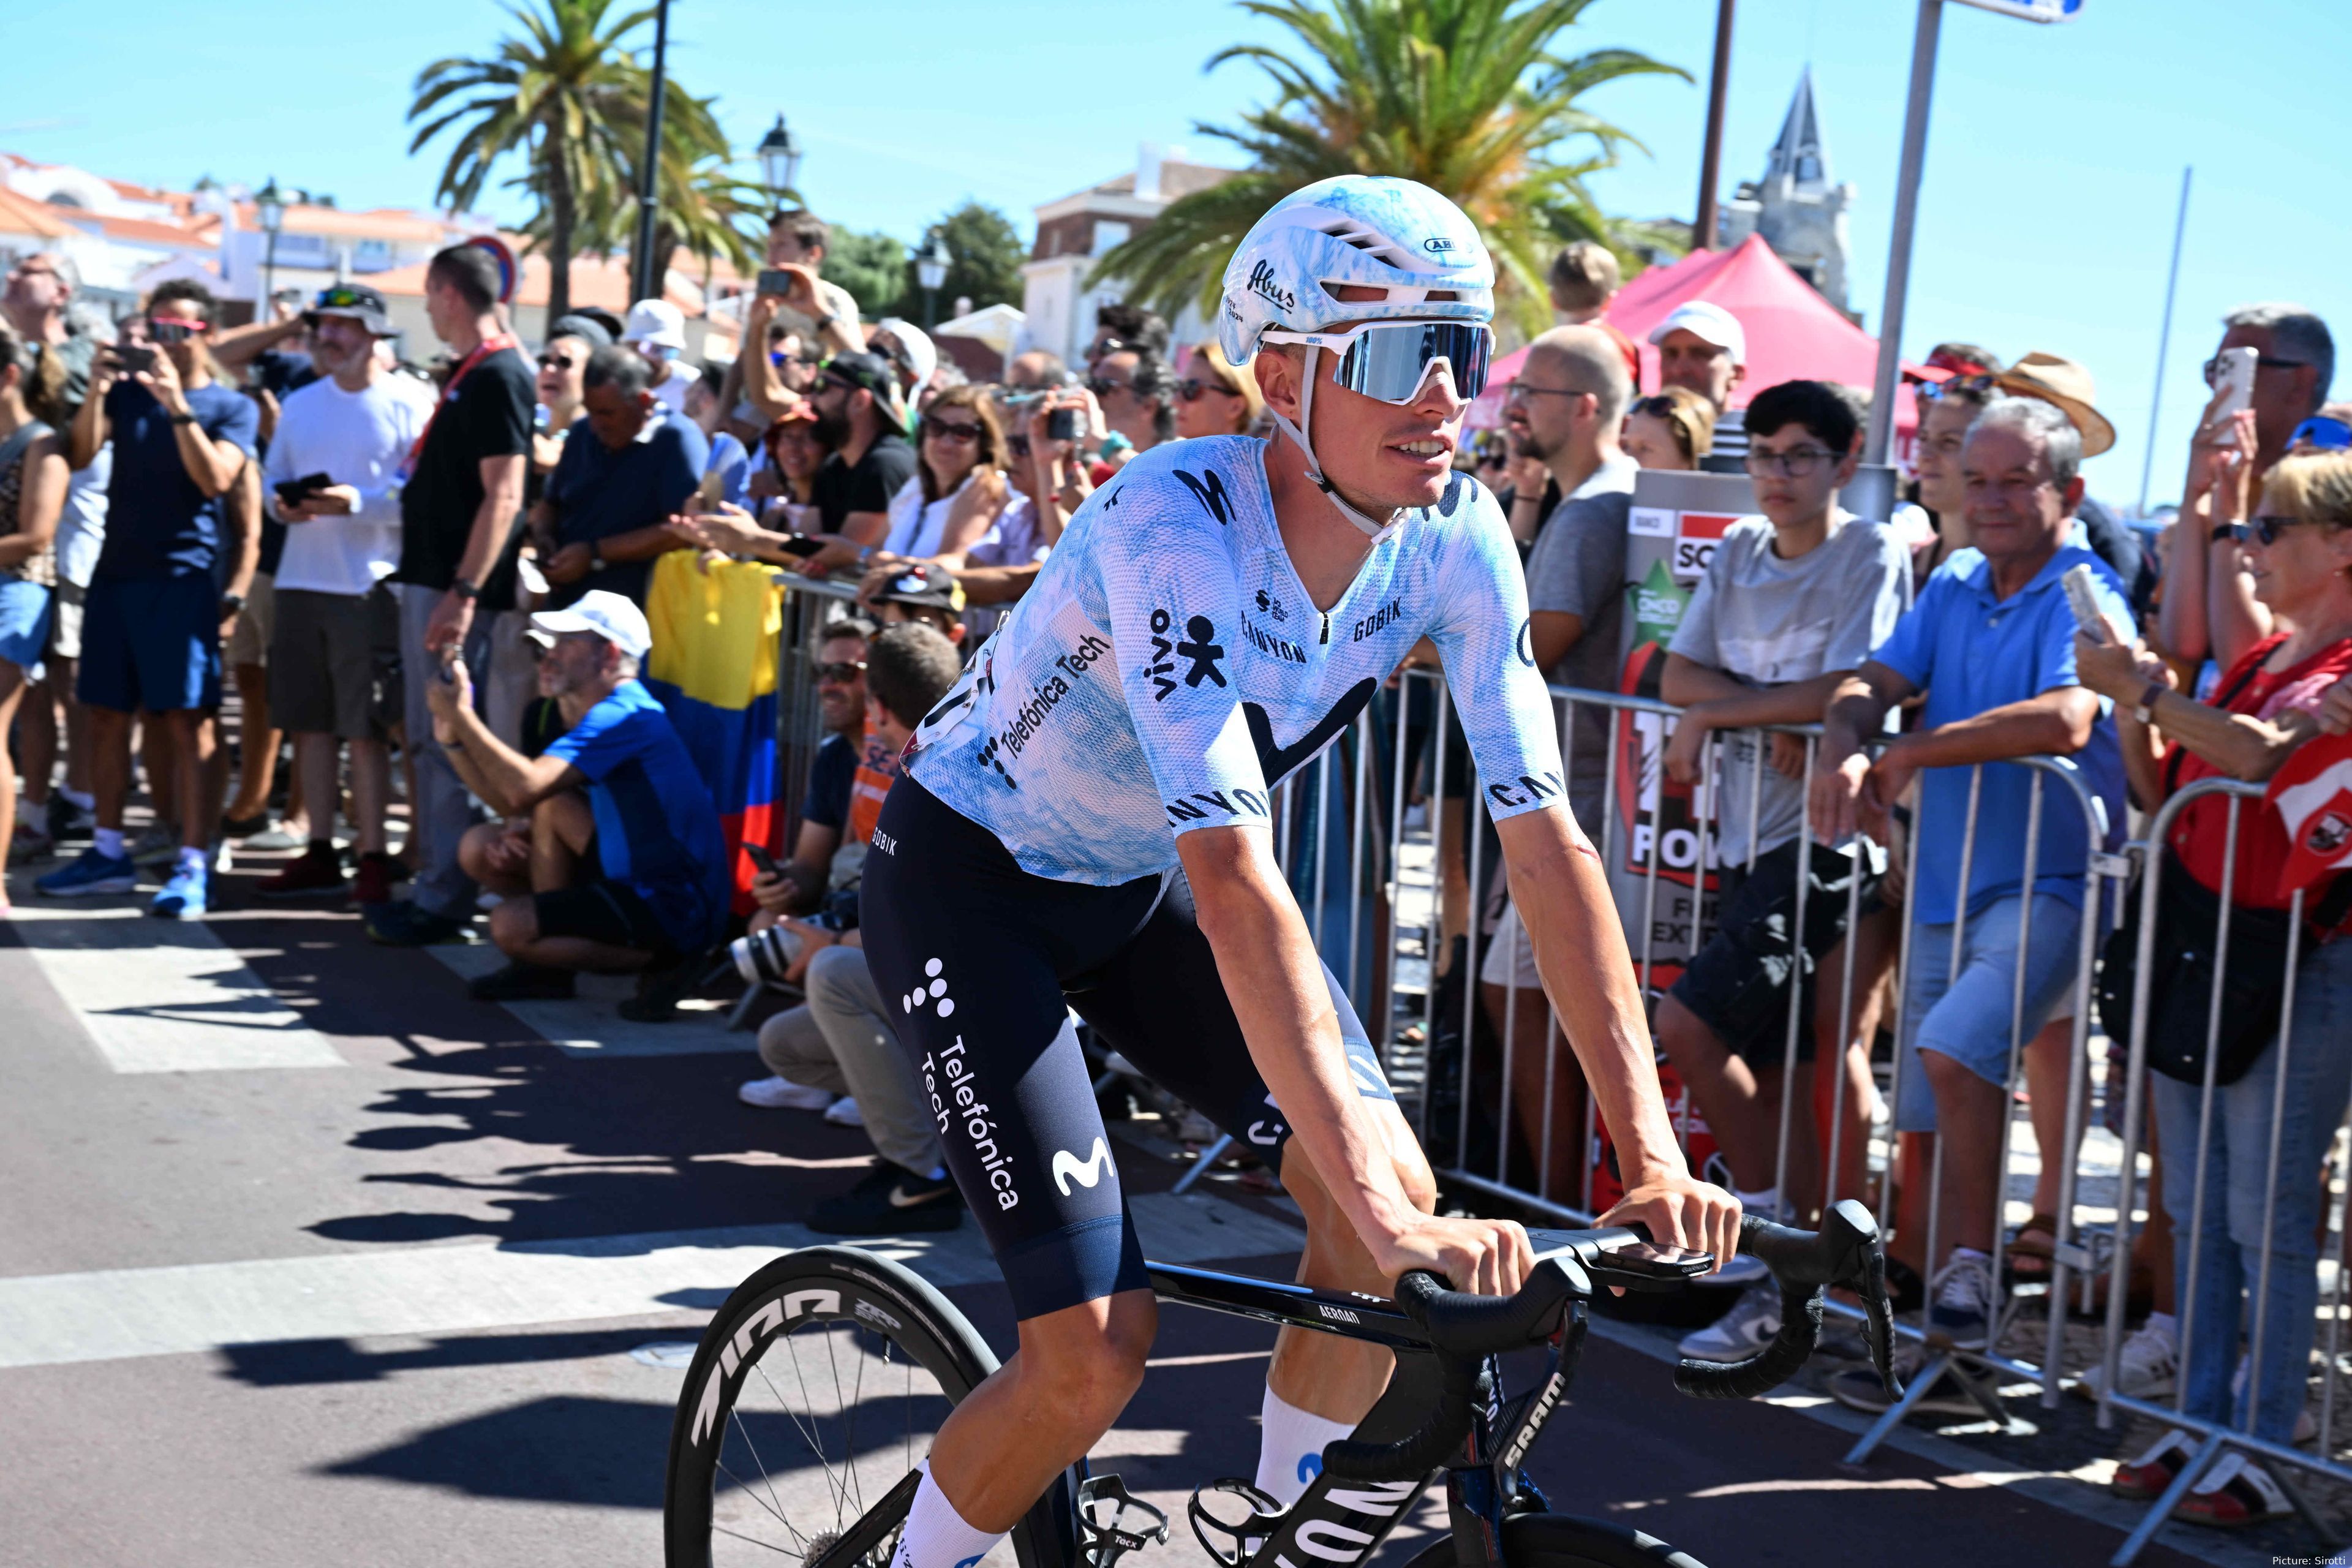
(936, 1535)
(1290, 1446)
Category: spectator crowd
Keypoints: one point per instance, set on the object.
(433, 582)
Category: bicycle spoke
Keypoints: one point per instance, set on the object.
(774, 1504)
(765, 1545)
(849, 1427)
(833, 1485)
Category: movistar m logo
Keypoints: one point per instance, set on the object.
(1087, 1171)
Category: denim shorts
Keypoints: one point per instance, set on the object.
(1969, 1019)
(24, 625)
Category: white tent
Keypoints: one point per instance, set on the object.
(998, 326)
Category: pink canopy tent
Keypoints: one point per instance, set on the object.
(1791, 331)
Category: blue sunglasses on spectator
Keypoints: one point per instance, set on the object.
(2323, 433)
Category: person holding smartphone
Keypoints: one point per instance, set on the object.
(157, 610)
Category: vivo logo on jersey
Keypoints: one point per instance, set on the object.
(760, 1325)
(1087, 1172)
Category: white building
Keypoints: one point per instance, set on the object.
(1795, 206)
(1074, 233)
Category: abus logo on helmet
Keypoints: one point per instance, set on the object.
(1261, 283)
(1436, 242)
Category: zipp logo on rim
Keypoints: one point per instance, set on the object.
(1087, 1172)
(760, 1325)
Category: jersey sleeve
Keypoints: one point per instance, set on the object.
(1174, 599)
(1483, 636)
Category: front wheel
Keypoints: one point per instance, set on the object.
(812, 1400)
(1563, 1540)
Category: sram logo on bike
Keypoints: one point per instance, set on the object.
(1538, 1414)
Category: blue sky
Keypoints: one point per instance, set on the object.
(2054, 166)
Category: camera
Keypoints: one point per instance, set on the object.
(763, 957)
(1062, 424)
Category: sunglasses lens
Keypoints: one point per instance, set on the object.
(1391, 361)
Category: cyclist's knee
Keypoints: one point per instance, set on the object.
(1089, 1359)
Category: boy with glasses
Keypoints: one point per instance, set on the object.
(1792, 603)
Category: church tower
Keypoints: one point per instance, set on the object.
(1797, 209)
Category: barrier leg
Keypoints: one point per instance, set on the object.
(2162, 1509)
(1209, 1156)
(1930, 1372)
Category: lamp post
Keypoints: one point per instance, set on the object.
(780, 159)
(651, 274)
(931, 263)
(270, 206)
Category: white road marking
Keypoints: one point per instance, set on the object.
(163, 995)
(587, 1025)
(49, 1320)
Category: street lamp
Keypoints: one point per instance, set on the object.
(780, 159)
(931, 263)
(270, 206)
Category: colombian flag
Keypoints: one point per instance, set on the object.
(714, 667)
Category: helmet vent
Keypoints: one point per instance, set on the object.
(1373, 243)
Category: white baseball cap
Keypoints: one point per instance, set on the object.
(656, 321)
(1706, 321)
(612, 617)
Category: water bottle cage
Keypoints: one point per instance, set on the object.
(1232, 1544)
(1103, 1534)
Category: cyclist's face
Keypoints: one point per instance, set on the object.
(1380, 456)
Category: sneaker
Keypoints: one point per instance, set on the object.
(373, 882)
(159, 846)
(2148, 1365)
(780, 1093)
(89, 873)
(183, 897)
(1859, 1388)
(2145, 1478)
(844, 1112)
(30, 844)
(223, 858)
(319, 872)
(1961, 1303)
(2234, 1493)
(244, 827)
(69, 821)
(522, 982)
(406, 926)
(1750, 1325)
(275, 838)
(890, 1200)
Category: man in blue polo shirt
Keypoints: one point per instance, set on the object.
(1991, 644)
(610, 858)
(175, 570)
(627, 467)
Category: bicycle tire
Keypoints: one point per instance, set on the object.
(1563, 1540)
(862, 1307)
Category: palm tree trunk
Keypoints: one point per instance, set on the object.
(559, 239)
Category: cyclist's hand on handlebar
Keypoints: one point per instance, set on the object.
(1685, 1212)
(1487, 1257)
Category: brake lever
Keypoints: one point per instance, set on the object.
(1879, 1335)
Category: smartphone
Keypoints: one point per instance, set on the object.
(2235, 381)
(775, 281)
(134, 357)
(1062, 424)
(763, 860)
(291, 491)
(799, 545)
(2091, 620)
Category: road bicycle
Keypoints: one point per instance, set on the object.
(815, 1393)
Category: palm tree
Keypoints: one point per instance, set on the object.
(566, 93)
(1466, 96)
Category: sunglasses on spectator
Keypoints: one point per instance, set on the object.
(2322, 432)
(779, 358)
(1190, 388)
(2264, 530)
(1932, 389)
(839, 674)
(1793, 465)
(941, 430)
(174, 331)
(2262, 362)
(556, 361)
(340, 299)
(1103, 387)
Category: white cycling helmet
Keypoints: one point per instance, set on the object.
(1365, 231)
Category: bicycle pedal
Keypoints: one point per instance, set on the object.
(1104, 1539)
(1237, 1542)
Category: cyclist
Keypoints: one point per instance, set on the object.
(1084, 822)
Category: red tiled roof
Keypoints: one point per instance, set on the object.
(19, 216)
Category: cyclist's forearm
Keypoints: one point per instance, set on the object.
(1579, 949)
(1267, 962)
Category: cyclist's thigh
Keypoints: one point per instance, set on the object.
(963, 950)
(1161, 1001)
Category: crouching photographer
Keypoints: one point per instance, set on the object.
(839, 1043)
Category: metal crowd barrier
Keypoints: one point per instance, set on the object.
(1365, 833)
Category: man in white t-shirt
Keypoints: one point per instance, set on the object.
(656, 330)
(1792, 602)
(332, 476)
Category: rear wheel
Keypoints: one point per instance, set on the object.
(813, 1397)
(1561, 1540)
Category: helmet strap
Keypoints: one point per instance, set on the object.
(1375, 531)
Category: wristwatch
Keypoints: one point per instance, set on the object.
(232, 604)
(184, 419)
(2145, 711)
(466, 589)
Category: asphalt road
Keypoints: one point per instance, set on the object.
(307, 1258)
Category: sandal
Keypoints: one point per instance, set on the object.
(2144, 1479)
(2234, 1493)
(2031, 1250)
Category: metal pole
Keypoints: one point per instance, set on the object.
(1907, 213)
(649, 178)
(2164, 339)
(268, 274)
(1710, 161)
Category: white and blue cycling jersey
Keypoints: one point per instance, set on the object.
(1166, 667)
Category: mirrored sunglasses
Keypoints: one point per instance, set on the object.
(1392, 361)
